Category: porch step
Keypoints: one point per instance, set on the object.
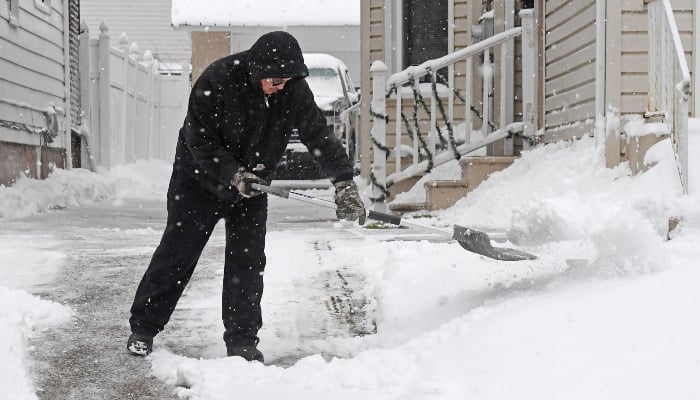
(444, 194)
(477, 169)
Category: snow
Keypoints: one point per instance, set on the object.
(268, 13)
(608, 310)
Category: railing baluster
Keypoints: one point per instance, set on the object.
(433, 116)
(398, 129)
(378, 132)
(468, 100)
(669, 80)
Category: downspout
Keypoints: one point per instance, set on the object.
(67, 122)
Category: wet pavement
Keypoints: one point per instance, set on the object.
(108, 246)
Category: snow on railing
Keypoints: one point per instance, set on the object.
(669, 80)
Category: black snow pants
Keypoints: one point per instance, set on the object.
(192, 215)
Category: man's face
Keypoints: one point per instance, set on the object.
(272, 85)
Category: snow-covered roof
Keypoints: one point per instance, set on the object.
(271, 13)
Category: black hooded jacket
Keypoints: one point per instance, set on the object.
(230, 124)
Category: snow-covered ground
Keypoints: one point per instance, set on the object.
(608, 311)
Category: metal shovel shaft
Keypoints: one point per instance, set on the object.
(375, 215)
(470, 239)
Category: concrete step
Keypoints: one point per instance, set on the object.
(477, 169)
(444, 194)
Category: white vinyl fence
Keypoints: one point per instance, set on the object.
(129, 110)
(669, 80)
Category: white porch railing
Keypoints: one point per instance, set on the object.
(129, 110)
(430, 152)
(669, 80)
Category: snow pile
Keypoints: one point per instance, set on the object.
(71, 188)
(21, 315)
(23, 264)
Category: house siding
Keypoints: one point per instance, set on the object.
(570, 55)
(634, 50)
(147, 23)
(32, 78)
(31, 68)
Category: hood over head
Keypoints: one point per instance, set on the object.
(276, 55)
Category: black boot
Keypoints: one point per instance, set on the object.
(139, 345)
(250, 353)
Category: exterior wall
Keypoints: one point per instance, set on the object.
(145, 22)
(19, 159)
(208, 47)
(635, 43)
(570, 68)
(33, 81)
(570, 58)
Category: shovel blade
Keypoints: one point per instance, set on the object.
(479, 242)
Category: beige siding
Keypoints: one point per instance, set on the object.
(376, 45)
(635, 44)
(569, 96)
(569, 87)
(145, 22)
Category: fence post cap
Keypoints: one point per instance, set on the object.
(378, 66)
(124, 40)
(84, 28)
(103, 28)
(133, 49)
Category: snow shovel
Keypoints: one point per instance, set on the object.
(470, 239)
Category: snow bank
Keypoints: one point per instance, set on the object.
(21, 315)
(71, 188)
(24, 262)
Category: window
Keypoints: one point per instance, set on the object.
(14, 12)
(424, 30)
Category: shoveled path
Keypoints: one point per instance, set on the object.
(108, 246)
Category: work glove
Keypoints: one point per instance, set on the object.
(242, 180)
(349, 203)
